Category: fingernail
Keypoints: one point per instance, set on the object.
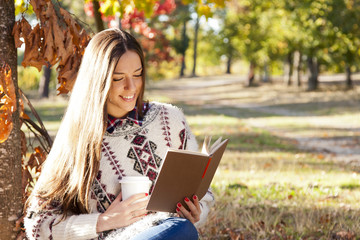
(177, 209)
(194, 197)
(186, 199)
(179, 204)
(146, 194)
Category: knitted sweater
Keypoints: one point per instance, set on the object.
(131, 150)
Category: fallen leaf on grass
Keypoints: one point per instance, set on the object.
(234, 234)
(267, 165)
(344, 235)
(325, 219)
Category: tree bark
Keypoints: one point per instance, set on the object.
(228, 64)
(349, 83)
(195, 45)
(266, 76)
(10, 154)
(251, 75)
(313, 70)
(288, 71)
(97, 15)
(297, 67)
(185, 42)
(44, 83)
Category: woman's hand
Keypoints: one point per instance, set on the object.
(194, 214)
(122, 213)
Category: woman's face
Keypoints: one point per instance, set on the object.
(126, 85)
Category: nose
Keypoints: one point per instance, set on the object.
(129, 84)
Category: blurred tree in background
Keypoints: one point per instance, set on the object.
(270, 37)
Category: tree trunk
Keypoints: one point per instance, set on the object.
(97, 15)
(313, 70)
(266, 76)
(195, 45)
(251, 75)
(44, 83)
(185, 42)
(228, 64)
(349, 83)
(297, 67)
(10, 154)
(183, 66)
(288, 70)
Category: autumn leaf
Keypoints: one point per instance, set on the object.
(32, 55)
(37, 6)
(7, 102)
(16, 33)
(56, 39)
(49, 47)
(32, 169)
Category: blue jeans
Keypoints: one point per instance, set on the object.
(170, 228)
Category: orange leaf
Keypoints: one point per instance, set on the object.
(37, 158)
(32, 49)
(38, 6)
(59, 41)
(73, 26)
(17, 33)
(6, 124)
(7, 102)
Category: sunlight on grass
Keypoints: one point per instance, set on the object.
(264, 180)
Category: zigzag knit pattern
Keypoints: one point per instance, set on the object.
(109, 155)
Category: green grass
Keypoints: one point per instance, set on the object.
(264, 181)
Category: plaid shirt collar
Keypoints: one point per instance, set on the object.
(133, 116)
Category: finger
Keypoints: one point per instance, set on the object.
(185, 212)
(139, 204)
(179, 213)
(197, 203)
(136, 197)
(138, 213)
(118, 197)
(194, 210)
(191, 205)
(135, 219)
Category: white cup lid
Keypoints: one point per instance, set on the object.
(131, 179)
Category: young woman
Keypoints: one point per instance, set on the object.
(109, 132)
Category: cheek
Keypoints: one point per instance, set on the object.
(139, 84)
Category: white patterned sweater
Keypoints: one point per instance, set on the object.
(131, 150)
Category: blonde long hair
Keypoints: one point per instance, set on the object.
(74, 159)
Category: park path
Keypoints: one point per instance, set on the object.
(332, 135)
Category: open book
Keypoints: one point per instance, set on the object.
(184, 174)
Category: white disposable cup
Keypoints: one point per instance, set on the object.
(133, 185)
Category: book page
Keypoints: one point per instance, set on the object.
(209, 149)
(206, 145)
(215, 145)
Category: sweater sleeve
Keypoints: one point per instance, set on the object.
(48, 224)
(208, 200)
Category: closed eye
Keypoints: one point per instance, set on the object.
(117, 79)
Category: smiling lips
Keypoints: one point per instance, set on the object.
(128, 98)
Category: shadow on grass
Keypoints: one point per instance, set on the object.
(328, 108)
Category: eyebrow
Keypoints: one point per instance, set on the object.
(140, 68)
